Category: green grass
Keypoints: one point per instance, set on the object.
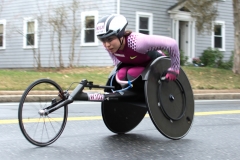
(200, 77)
(212, 78)
(21, 79)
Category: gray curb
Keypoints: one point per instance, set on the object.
(217, 96)
(15, 96)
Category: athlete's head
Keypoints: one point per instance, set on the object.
(114, 24)
(110, 30)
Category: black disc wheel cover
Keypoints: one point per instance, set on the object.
(122, 117)
(172, 99)
(170, 104)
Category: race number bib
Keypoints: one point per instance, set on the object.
(100, 29)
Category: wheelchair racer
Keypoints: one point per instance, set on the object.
(135, 49)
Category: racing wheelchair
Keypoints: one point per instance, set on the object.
(43, 108)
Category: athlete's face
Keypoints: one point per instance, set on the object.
(111, 43)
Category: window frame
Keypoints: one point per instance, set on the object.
(83, 16)
(3, 22)
(146, 15)
(25, 23)
(222, 24)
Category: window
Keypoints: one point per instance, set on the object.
(88, 36)
(2, 34)
(30, 33)
(144, 23)
(218, 38)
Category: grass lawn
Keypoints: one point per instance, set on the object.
(200, 77)
(212, 78)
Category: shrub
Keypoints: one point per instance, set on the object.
(214, 58)
(183, 58)
(228, 64)
(211, 57)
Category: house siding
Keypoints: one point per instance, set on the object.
(15, 56)
(162, 24)
(161, 19)
(225, 13)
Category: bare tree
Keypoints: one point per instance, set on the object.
(30, 40)
(1, 6)
(205, 12)
(236, 14)
(35, 35)
(37, 55)
(57, 20)
(52, 35)
(75, 5)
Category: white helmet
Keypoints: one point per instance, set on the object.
(114, 24)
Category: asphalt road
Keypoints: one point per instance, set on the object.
(214, 135)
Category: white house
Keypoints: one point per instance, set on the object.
(27, 35)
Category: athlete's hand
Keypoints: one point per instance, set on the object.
(171, 74)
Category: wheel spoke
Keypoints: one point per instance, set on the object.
(46, 128)
(51, 124)
(36, 127)
(57, 122)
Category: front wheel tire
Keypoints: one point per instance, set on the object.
(41, 130)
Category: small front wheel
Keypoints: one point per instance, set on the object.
(41, 128)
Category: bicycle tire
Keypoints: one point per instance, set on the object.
(41, 130)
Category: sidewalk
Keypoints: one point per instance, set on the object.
(14, 96)
(216, 94)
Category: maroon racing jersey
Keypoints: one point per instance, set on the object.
(137, 47)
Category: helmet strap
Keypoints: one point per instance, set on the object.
(121, 42)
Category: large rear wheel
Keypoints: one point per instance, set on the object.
(122, 117)
(170, 104)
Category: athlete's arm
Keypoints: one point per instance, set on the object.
(145, 43)
(114, 59)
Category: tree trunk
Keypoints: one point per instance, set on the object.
(60, 49)
(72, 54)
(236, 14)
